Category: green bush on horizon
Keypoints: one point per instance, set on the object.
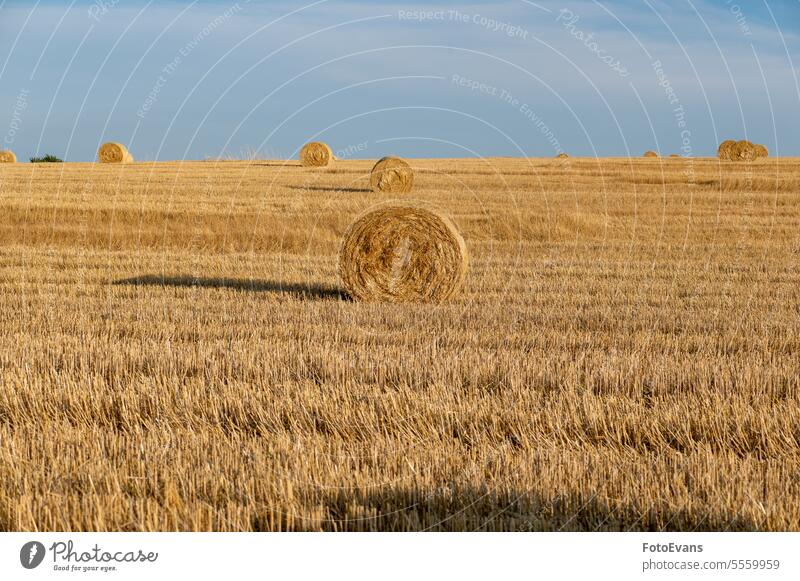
(47, 159)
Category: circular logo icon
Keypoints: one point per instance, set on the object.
(31, 554)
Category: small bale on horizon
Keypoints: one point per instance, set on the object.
(7, 156)
(650, 154)
(316, 154)
(744, 151)
(741, 151)
(392, 175)
(725, 150)
(113, 152)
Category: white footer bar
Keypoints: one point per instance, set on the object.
(151, 556)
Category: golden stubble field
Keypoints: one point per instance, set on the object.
(175, 352)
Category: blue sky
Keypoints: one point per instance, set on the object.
(205, 79)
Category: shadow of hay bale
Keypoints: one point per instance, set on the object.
(309, 291)
(453, 508)
(464, 509)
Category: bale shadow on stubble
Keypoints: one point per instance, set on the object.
(326, 189)
(306, 291)
(289, 163)
(467, 509)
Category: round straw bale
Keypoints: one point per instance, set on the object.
(744, 151)
(402, 253)
(725, 151)
(392, 175)
(8, 157)
(114, 153)
(650, 154)
(562, 155)
(316, 154)
(675, 155)
(762, 151)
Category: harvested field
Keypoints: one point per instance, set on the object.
(177, 353)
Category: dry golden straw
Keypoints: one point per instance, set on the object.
(762, 151)
(316, 154)
(650, 154)
(8, 157)
(402, 253)
(567, 386)
(114, 153)
(392, 175)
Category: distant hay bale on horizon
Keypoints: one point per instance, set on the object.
(114, 153)
(562, 155)
(403, 253)
(7, 156)
(741, 151)
(650, 154)
(316, 154)
(392, 175)
(744, 151)
(674, 155)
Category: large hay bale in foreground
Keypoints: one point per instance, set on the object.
(392, 175)
(8, 157)
(650, 154)
(316, 154)
(402, 253)
(114, 153)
